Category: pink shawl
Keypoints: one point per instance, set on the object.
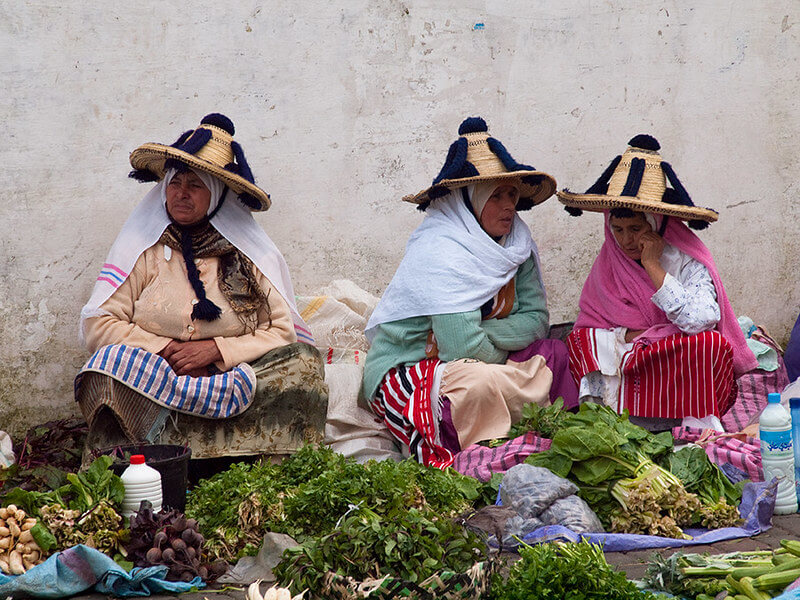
(618, 293)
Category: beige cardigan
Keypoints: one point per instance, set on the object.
(154, 306)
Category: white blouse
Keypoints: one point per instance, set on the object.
(688, 298)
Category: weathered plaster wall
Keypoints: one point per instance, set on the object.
(344, 107)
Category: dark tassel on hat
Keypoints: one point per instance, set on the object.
(250, 201)
(183, 137)
(645, 142)
(219, 120)
(524, 204)
(680, 195)
(601, 185)
(174, 163)
(575, 212)
(532, 179)
(240, 167)
(456, 165)
(196, 141)
(472, 125)
(205, 309)
(143, 176)
(634, 178)
(698, 224)
(508, 162)
(423, 206)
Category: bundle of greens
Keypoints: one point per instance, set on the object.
(756, 575)
(408, 544)
(565, 571)
(544, 420)
(307, 494)
(609, 457)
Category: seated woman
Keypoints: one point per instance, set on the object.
(457, 342)
(193, 314)
(656, 334)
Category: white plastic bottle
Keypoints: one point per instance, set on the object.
(142, 482)
(777, 454)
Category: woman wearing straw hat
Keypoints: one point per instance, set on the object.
(193, 314)
(656, 334)
(456, 340)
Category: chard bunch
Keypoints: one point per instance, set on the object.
(62, 523)
(103, 528)
(720, 514)
(653, 502)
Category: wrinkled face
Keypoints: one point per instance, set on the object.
(498, 214)
(188, 198)
(628, 231)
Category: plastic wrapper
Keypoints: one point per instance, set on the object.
(572, 512)
(530, 490)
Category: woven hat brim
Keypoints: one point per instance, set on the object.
(535, 193)
(601, 202)
(152, 157)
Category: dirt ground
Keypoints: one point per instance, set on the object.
(633, 563)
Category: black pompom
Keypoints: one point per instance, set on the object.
(174, 163)
(698, 224)
(219, 120)
(575, 212)
(250, 201)
(645, 142)
(243, 169)
(472, 125)
(143, 176)
(532, 179)
(524, 204)
(456, 165)
(438, 192)
(182, 138)
(422, 206)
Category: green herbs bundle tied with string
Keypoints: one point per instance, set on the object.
(619, 468)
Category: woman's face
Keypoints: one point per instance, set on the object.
(188, 198)
(498, 214)
(628, 231)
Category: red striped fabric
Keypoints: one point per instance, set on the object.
(675, 377)
(404, 402)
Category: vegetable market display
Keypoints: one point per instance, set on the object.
(757, 575)
(631, 478)
(360, 521)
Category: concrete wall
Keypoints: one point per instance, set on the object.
(342, 108)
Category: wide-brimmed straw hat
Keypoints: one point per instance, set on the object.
(475, 156)
(209, 148)
(637, 180)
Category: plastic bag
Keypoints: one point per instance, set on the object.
(530, 490)
(574, 513)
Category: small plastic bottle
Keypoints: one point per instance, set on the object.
(142, 482)
(777, 453)
(794, 405)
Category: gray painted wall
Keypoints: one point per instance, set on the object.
(342, 108)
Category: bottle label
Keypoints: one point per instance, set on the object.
(776, 441)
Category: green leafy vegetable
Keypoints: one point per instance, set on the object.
(544, 420)
(96, 484)
(702, 477)
(569, 571)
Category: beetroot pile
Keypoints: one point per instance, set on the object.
(168, 538)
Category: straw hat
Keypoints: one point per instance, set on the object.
(637, 180)
(475, 156)
(209, 148)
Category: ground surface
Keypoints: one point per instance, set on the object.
(633, 563)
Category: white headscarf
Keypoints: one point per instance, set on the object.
(451, 264)
(233, 220)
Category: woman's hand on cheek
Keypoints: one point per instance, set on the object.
(652, 246)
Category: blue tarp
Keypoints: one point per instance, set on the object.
(81, 568)
(756, 508)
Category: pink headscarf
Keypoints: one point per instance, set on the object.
(618, 293)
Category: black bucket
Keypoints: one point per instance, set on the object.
(169, 460)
